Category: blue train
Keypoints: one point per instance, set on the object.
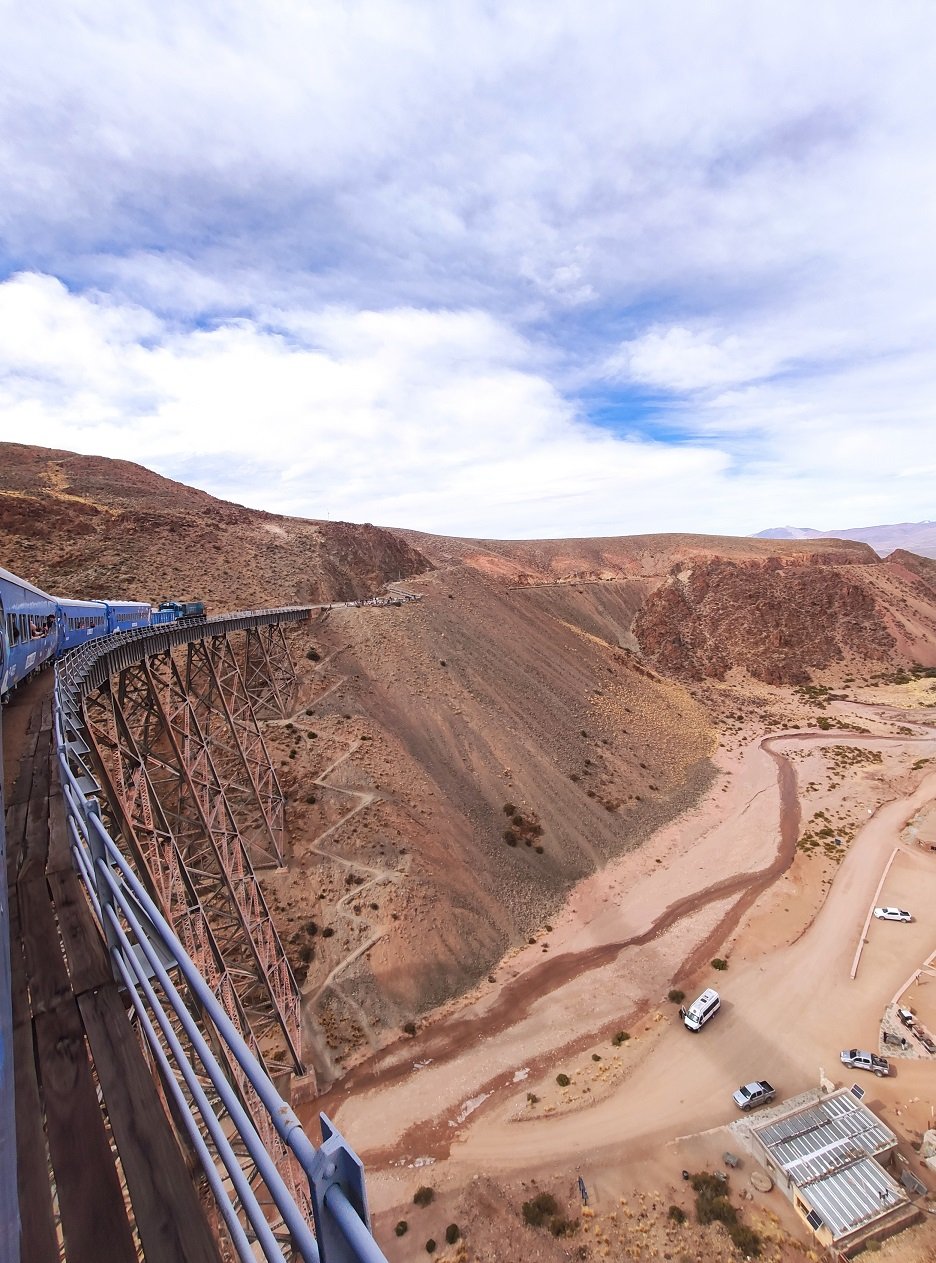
(36, 627)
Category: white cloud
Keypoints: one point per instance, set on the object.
(380, 251)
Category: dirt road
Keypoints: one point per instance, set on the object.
(458, 1093)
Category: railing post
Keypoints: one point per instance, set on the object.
(339, 1201)
(94, 827)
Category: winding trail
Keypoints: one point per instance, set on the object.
(344, 907)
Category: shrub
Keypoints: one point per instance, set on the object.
(311, 799)
(719, 963)
(532, 1098)
(596, 1056)
(402, 1228)
(509, 809)
(712, 1200)
(746, 1240)
(409, 1028)
(510, 837)
(430, 1246)
(620, 1038)
(423, 1195)
(452, 1234)
(539, 1209)
(676, 995)
(677, 1214)
(328, 931)
(563, 1080)
(562, 1227)
(313, 655)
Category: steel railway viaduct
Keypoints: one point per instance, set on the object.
(149, 1017)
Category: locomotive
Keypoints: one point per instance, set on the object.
(36, 627)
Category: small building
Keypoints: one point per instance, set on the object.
(828, 1157)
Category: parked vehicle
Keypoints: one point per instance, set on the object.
(750, 1095)
(701, 1011)
(858, 1059)
(892, 914)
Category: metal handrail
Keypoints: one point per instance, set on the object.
(130, 919)
(9, 1200)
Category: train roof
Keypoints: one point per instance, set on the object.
(24, 583)
(67, 602)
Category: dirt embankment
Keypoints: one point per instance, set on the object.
(496, 753)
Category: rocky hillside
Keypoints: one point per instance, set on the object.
(455, 764)
(88, 527)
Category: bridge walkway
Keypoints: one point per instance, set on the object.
(100, 1172)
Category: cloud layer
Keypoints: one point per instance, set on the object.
(493, 270)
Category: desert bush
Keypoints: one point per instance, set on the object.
(562, 1227)
(745, 1240)
(509, 809)
(676, 995)
(596, 1056)
(423, 1195)
(539, 1209)
(452, 1234)
(313, 655)
(328, 931)
(409, 1028)
(510, 837)
(719, 963)
(532, 1098)
(620, 1038)
(402, 1228)
(430, 1246)
(677, 1214)
(563, 1080)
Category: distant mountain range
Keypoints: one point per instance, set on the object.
(914, 537)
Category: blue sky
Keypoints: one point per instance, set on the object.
(515, 269)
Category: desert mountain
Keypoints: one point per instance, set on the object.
(454, 764)
(914, 537)
(86, 527)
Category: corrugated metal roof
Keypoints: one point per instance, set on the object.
(854, 1196)
(828, 1151)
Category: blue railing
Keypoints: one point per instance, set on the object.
(9, 1201)
(151, 962)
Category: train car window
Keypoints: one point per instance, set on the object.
(12, 629)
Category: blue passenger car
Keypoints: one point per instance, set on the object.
(126, 615)
(79, 622)
(29, 630)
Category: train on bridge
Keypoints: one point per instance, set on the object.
(36, 628)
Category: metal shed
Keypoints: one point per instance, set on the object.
(827, 1158)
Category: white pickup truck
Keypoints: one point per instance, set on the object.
(750, 1095)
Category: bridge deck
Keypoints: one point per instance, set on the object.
(100, 1172)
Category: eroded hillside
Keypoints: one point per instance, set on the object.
(455, 764)
(496, 752)
(88, 527)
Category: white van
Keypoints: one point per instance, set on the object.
(699, 1011)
